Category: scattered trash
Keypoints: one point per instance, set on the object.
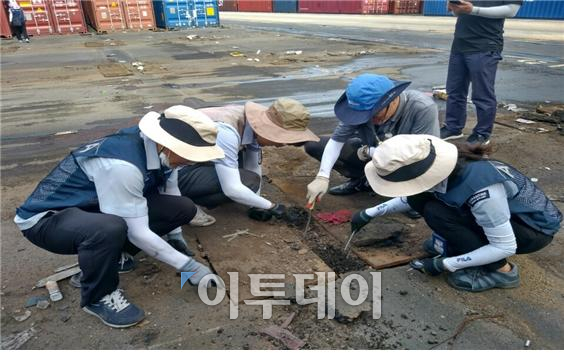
(256, 59)
(258, 52)
(534, 180)
(541, 130)
(22, 317)
(137, 63)
(513, 108)
(54, 291)
(236, 54)
(32, 301)
(294, 52)
(68, 132)
(337, 217)
(42, 304)
(57, 276)
(527, 343)
(547, 168)
(285, 336)
(140, 68)
(234, 47)
(238, 233)
(249, 59)
(17, 340)
(192, 36)
(122, 61)
(524, 121)
(148, 107)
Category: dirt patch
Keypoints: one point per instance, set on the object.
(114, 70)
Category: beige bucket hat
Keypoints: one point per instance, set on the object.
(285, 121)
(187, 132)
(406, 165)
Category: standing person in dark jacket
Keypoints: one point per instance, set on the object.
(481, 211)
(475, 53)
(17, 21)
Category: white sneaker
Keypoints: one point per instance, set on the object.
(201, 219)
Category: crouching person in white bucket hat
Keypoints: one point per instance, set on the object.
(120, 193)
(481, 211)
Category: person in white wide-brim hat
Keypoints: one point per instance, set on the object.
(481, 211)
(242, 132)
(117, 195)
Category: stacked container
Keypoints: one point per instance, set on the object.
(138, 14)
(546, 9)
(5, 30)
(37, 19)
(344, 6)
(401, 7)
(174, 14)
(316, 6)
(104, 15)
(67, 16)
(254, 5)
(288, 6)
(227, 5)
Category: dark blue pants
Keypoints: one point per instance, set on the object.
(480, 69)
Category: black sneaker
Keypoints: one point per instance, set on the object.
(350, 187)
(115, 311)
(75, 280)
(412, 214)
(126, 263)
(477, 139)
(446, 134)
(477, 279)
(429, 247)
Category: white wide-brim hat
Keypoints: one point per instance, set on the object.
(187, 132)
(406, 165)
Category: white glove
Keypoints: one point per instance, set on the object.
(201, 271)
(316, 189)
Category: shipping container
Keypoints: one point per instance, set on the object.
(288, 6)
(104, 15)
(254, 5)
(67, 16)
(357, 6)
(138, 14)
(435, 8)
(171, 14)
(547, 9)
(5, 29)
(227, 5)
(402, 7)
(316, 6)
(381, 7)
(38, 22)
(206, 13)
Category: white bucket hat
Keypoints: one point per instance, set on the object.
(187, 132)
(406, 165)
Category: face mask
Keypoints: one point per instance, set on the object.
(440, 187)
(164, 159)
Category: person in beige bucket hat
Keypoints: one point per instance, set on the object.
(481, 211)
(112, 197)
(242, 132)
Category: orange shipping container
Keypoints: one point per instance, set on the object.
(104, 15)
(139, 14)
(5, 30)
(37, 19)
(67, 16)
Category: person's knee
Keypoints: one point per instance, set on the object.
(314, 149)
(251, 180)
(187, 209)
(111, 232)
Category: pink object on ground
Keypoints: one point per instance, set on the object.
(337, 217)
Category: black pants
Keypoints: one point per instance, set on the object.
(99, 239)
(459, 228)
(348, 164)
(20, 32)
(201, 183)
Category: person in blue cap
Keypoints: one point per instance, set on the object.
(372, 109)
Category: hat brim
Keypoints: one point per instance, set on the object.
(445, 161)
(350, 116)
(264, 127)
(150, 126)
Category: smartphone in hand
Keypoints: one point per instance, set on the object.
(455, 2)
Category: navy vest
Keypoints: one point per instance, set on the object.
(530, 204)
(67, 185)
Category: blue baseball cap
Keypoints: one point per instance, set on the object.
(365, 96)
